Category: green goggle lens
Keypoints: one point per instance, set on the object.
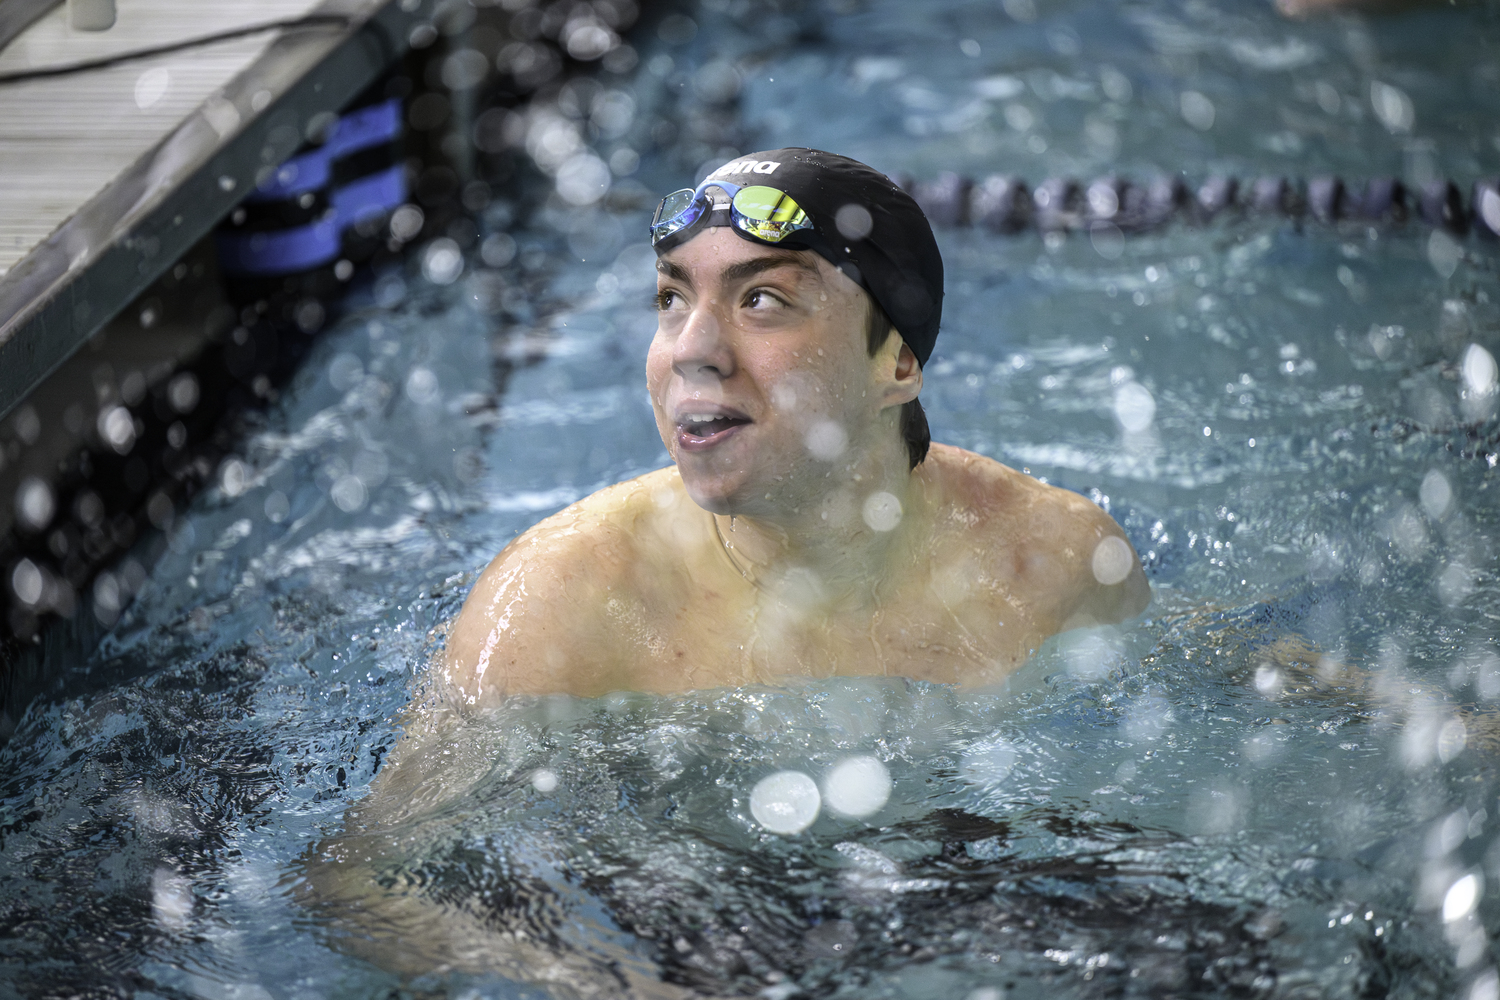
(768, 214)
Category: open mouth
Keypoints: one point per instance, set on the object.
(695, 431)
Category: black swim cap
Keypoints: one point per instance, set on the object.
(864, 225)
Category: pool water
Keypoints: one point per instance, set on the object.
(1279, 782)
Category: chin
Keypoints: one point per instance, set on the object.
(734, 491)
(710, 494)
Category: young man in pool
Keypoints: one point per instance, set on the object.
(807, 527)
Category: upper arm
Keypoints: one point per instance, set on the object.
(532, 624)
(1111, 585)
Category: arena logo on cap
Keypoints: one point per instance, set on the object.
(747, 167)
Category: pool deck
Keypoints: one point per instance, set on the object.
(120, 149)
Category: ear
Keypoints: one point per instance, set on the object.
(901, 374)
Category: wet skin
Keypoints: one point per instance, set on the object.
(760, 555)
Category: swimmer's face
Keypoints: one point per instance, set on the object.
(763, 388)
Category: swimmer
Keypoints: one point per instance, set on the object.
(808, 527)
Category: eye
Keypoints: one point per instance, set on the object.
(762, 299)
(668, 299)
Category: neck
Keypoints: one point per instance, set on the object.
(834, 549)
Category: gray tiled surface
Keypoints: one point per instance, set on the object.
(63, 139)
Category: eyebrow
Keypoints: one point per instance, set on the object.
(759, 265)
(741, 270)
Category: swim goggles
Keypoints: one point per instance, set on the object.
(758, 212)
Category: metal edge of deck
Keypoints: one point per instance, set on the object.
(100, 258)
(18, 15)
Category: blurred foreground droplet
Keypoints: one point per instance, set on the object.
(826, 440)
(1480, 373)
(34, 503)
(422, 386)
(406, 222)
(1197, 110)
(1451, 739)
(1444, 253)
(857, 787)
(234, 477)
(882, 511)
(117, 429)
(1462, 897)
(583, 179)
(442, 261)
(1435, 494)
(1108, 240)
(854, 222)
(544, 780)
(150, 86)
(348, 493)
(1392, 106)
(1113, 560)
(27, 582)
(1134, 406)
(988, 763)
(785, 802)
(171, 900)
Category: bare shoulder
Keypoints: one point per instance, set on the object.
(534, 621)
(998, 496)
(1070, 555)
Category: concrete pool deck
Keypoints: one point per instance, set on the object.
(121, 149)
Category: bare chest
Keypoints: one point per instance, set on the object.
(940, 630)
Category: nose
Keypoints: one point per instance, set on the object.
(703, 347)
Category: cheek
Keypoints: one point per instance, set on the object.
(658, 367)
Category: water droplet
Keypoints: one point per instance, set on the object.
(442, 261)
(150, 86)
(27, 582)
(1134, 406)
(234, 477)
(1392, 106)
(1444, 253)
(786, 802)
(348, 493)
(882, 511)
(117, 429)
(277, 507)
(1197, 110)
(854, 222)
(1435, 494)
(406, 222)
(422, 386)
(1268, 680)
(1462, 896)
(1479, 371)
(826, 440)
(171, 899)
(989, 762)
(34, 503)
(857, 787)
(1113, 560)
